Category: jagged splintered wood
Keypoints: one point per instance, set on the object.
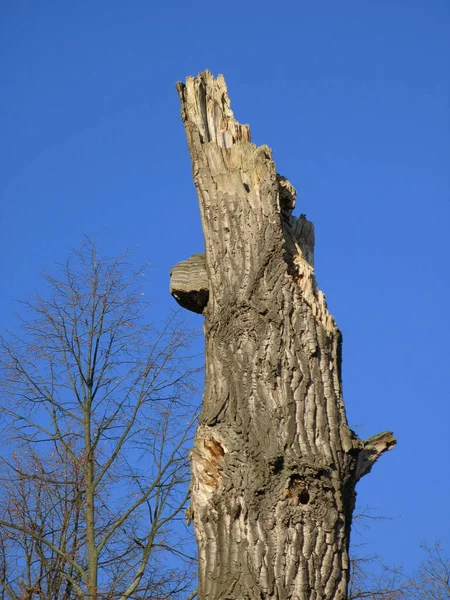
(275, 464)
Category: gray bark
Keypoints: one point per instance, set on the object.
(275, 464)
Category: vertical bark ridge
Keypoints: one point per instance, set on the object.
(275, 464)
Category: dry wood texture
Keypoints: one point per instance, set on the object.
(275, 464)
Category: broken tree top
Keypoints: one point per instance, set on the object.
(208, 118)
(206, 104)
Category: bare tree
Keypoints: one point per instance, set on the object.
(373, 579)
(275, 463)
(432, 580)
(50, 508)
(97, 410)
(369, 577)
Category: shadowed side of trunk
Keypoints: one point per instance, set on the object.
(275, 464)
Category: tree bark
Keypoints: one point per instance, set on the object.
(275, 464)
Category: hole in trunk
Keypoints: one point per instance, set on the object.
(277, 465)
(297, 488)
(304, 497)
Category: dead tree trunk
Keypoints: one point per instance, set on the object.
(275, 464)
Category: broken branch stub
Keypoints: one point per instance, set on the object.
(274, 464)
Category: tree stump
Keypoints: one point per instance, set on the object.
(275, 464)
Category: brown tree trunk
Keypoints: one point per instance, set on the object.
(275, 464)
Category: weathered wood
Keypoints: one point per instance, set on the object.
(275, 464)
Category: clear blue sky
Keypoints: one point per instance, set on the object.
(352, 96)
